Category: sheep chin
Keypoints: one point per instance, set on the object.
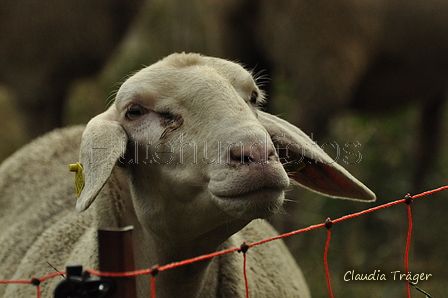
(261, 203)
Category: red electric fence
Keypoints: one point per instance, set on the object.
(245, 247)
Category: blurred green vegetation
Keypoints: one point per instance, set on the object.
(371, 242)
(375, 241)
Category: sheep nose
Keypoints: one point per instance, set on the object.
(255, 153)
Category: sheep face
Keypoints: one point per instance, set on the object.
(196, 149)
(193, 128)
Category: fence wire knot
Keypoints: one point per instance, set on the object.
(35, 281)
(409, 199)
(244, 247)
(155, 270)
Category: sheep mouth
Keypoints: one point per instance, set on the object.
(259, 203)
(257, 194)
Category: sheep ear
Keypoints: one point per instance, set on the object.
(309, 165)
(103, 143)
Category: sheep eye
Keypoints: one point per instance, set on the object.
(253, 97)
(135, 111)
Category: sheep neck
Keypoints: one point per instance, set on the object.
(195, 280)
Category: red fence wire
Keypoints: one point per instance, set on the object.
(408, 245)
(244, 247)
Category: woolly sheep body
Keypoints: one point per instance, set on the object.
(36, 217)
(178, 209)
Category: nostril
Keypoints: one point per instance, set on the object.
(238, 156)
(251, 154)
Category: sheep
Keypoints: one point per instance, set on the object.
(47, 45)
(187, 158)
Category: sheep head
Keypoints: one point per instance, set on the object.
(197, 151)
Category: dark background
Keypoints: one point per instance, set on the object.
(363, 72)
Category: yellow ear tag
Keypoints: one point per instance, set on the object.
(79, 177)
